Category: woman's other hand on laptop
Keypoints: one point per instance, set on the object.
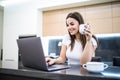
(50, 61)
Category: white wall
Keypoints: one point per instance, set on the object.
(1, 29)
(18, 20)
(24, 18)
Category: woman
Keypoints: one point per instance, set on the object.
(77, 48)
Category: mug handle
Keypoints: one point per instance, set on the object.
(85, 66)
(105, 66)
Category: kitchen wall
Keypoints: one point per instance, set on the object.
(1, 29)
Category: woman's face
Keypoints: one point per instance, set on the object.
(72, 26)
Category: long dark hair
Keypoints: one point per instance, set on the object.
(77, 16)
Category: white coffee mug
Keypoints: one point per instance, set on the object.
(95, 66)
(82, 28)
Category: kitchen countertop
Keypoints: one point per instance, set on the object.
(76, 72)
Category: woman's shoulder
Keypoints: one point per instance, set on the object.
(66, 39)
(66, 36)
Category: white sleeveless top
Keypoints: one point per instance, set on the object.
(74, 55)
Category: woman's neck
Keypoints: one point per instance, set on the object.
(77, 37)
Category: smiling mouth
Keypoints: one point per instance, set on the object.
(71, 30)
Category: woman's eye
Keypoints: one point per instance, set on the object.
(71, 23)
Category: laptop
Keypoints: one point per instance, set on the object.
(32, 55)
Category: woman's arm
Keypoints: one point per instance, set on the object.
(89, 49)
(88, 53)
(61, 58)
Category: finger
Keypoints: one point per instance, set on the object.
(47, 59)
(51, 63)
(88, 31)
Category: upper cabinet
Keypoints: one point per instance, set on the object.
(103, 18)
